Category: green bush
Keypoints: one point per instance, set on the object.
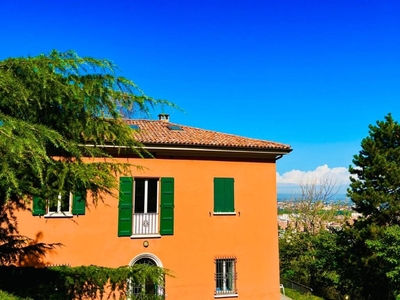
(7, 296)
(69, 283)
(295, 295)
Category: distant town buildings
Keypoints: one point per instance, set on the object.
(290, 216)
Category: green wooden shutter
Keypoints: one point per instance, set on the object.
(229, 195)
(125, 206)
(79, 203)
(219, 194)
(39, 206)
(224, 200)
(167, 206)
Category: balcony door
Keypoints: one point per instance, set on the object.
(145, 213)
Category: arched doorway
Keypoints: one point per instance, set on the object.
(148, 288)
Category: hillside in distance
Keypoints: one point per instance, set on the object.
(293, 197)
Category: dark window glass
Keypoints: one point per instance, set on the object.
(53, 206)
(65, 203)
(219, 276)
(139, 196)
(146, 261)
(152, 196)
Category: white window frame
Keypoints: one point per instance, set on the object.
(142, 220)
(60, 213)
(226, 275)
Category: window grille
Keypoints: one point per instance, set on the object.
(225, 276)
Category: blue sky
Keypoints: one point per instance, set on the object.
(312, 74)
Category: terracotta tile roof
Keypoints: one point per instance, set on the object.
(158, 132)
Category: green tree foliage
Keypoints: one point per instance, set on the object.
(57, 112)
(311, 260)
(369, 271)
(387, 251)
(308, 250)
(363, 258)
(375, 185)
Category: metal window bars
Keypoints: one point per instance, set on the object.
(225, 276)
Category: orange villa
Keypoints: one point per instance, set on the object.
(204, 207)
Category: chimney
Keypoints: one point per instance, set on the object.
(163, 117)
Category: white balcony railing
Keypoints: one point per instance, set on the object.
(145, 224)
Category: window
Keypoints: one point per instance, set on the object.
(146, 289)
(66, 205)
(225, 276)
(146, 207)
(134, 126)
(224, 196)
(174, 127)
(63, 205)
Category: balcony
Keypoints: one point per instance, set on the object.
(145, 225)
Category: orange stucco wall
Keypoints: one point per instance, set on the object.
(199, 237)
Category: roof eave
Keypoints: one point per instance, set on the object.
(239, 152)
(211, 152)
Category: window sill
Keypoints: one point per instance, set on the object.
(58, 215)
(224, 213)
(227, 296)
(145, 236)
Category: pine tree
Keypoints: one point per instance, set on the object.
(375, 191)
(375, 184)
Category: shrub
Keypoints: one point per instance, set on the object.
(69, 283)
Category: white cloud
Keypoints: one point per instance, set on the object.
(339, 175)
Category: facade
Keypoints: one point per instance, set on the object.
(203, 207)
